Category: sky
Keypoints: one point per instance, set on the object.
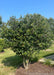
(16, 8)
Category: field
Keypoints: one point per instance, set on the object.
(9, 61)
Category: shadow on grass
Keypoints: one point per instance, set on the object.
(49, 56)
(14, 61)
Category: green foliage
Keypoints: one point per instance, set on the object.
(35, 59)
(1, 45)
(28, 34)
(51, 22)
(7, 44)
(0, 20)
(0, 24)
(4, 44)
(47, 62)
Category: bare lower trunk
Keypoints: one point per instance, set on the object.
(25, 63)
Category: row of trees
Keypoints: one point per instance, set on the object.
(28, 34)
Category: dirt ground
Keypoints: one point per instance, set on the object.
(36, 69)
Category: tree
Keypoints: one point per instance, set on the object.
(0, 24)
(51, 22)
(28, 35)
(0, 20)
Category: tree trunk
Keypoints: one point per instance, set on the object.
(26, 63)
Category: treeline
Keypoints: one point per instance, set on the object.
(17, 29)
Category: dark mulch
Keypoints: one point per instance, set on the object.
(36, 69)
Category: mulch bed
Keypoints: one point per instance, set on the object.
(36, 69)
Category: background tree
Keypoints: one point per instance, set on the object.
(51, 22)
(27, 35)
(0, 20)
(0, 24)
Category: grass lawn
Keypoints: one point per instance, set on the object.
(9, 61)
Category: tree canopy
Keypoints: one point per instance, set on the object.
(28, 34)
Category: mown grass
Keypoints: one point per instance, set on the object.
(9, 61)
(45, 53)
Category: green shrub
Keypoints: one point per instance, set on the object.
(1, 45)
(34, 59)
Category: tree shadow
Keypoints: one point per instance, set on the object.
(49, 56)
(14, 61)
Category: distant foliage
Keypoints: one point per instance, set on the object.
(1, 45)
(0, 20)
(51, 22)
